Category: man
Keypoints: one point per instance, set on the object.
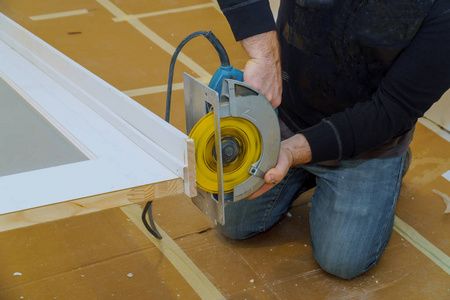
(352, 77)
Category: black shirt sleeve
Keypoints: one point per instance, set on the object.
(418, 78)
(248, 18)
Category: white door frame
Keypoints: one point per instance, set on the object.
(126, 144)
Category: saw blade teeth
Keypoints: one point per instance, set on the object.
(245, 137)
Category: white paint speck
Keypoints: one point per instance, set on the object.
(129, 275)
(252, 280)
(376, 281)
(17, 274)
(289, 214)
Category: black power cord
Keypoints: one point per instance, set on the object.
(225, 62)
(223, 56)
(150, 227)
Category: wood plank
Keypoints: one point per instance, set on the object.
(91, 204)
(190, 179)
(155, 191)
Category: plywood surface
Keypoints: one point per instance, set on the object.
(86, 257)
(420, 207)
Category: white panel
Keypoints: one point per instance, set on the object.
(163, 141)
(125, 145)
(27, 140)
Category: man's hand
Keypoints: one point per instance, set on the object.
(293, 151)
(263, 69)
(263, 72)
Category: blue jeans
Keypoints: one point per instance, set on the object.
(351, 217)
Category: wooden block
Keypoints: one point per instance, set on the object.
(155, 191)
(190, 180)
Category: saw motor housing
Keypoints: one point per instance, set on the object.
(241, 101)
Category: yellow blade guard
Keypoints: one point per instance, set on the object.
(235, 172)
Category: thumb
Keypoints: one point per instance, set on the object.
(276, 174)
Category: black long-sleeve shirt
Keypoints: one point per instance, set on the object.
(356, 74)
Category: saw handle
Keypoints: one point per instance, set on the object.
(224, 73)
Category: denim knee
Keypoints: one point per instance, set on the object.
(342, 263)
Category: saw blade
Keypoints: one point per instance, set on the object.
(248, 144)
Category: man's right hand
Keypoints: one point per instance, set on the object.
(293, 151)
(263, 69)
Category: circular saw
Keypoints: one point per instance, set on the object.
(237, 140)
(235, 132)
